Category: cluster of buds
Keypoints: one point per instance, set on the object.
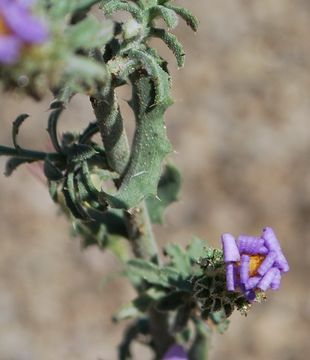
(253, 264)
(19, 29)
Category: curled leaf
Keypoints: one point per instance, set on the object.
(150, 147)
(15, 128)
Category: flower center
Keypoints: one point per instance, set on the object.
(4, 30)
(255, 262)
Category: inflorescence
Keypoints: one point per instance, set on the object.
(253, 264)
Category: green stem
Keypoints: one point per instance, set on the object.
(137, 220)
(27, 154)
(141, 233)
(200, 346)
(115, 142)
(112, 131)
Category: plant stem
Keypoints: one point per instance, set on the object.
(141, 233)
(27, 154)
(138, 223)
(200, 346)
(115, 142)
(112, 131)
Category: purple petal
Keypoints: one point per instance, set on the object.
(23, 24)
(175, 352)
(271, 240)
(267, 263)
(262, 251)
(281, 262)
(252, 282)
(21, 3)
(230, 277)
(249, 244)
(275, 284)
(273, 244)
(9, 49)
(230, 249)
(25, 3)
(244, 268)
(266, 281)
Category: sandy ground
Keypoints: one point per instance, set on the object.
(240, 129)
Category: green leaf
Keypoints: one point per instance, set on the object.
(13, 163)
(89, 33)
(150, 147)
(168, 15)
(173, 301)
(220, 320)
(168, 191)
(51, 171)
(15, 128)
(197, 249)
(56, 104)
(159, 76)
(112, 6)
(172, 42)
(139, 306)
(186, 15)
(72, 201)
(59, 9)
(88, 183)
(84, 5)
(52, 126)
(179, 259)
(113, 220)
(53, 190)
(119, 247)
(143, 270)
(80, 152)
(91, 130)
(82, 71)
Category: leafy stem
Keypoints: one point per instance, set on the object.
(28, 154)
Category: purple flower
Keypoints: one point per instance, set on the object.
(175, 352)
(18, 28)
(253, 263)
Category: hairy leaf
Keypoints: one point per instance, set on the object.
(72, 201)
(15, 128)
(143, 270)
(51, 171)
(186, 15)
(52, 126)
(168, 15)
(179, 258)
(89, 33)
(172, 301)
(172, 42)
(150, 147)
(89, 132)
(167, 193)
(159, 76)
(13, 163)
(197, 249)
(80, 152)
(59, 9)
(139, 305)
(110, 7)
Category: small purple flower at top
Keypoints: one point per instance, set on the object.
(176, 352)
(253, 263)
(18, 28)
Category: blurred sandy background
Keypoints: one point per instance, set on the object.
(240, 126)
